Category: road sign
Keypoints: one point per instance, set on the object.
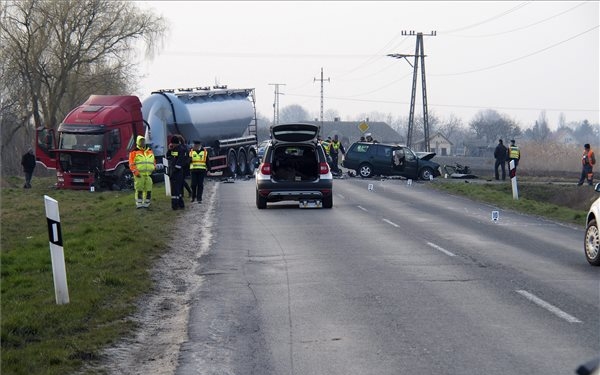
(363, 126)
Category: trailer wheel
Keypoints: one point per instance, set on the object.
(232, 162)
(251, 160)
(242, 162)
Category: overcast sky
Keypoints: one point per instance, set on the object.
(518, 58)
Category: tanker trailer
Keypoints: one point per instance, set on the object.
(224, 120)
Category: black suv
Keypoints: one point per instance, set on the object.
(294, 168)
(369, 159)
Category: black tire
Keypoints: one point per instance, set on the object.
(125, 181)
(261, 202)
(242, 162)
(425, 173)
(251, 160)
(365, 170)
(591, 243)
(232, 162)
(328, 201)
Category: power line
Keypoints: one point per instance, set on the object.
(451, 105)
(518, 58)
(524, 27)
(487, 20)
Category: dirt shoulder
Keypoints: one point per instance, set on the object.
(162, 315)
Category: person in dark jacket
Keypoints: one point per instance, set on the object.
(28, 163)
(178, 158)
(501, 154)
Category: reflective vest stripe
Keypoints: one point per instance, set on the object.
(514, 152)
(198, 159)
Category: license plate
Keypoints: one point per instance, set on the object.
(310, 204)
(78, 180)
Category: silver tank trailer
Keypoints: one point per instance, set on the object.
(206, 115)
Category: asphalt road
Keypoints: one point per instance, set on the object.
(395, 279)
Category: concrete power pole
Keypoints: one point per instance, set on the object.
(419, 53)
(276, 102)
(322, 80)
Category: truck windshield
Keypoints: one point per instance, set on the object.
(82, 142)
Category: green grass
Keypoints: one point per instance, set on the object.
(109, 247)
(560, 203)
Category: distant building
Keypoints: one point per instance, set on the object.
(438, 144)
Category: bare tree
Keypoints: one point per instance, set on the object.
(293, 113)
(56, 53)
(490, 125)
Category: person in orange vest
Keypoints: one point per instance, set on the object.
(142, 164)
(587, 165)
(198, 157)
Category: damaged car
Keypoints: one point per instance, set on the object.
(369, 159)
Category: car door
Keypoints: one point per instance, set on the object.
(382, 159)
(411, 164)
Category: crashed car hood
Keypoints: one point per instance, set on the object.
(426, 155)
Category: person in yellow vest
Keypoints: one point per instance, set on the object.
(198, 156)
(334, 149)
(514, 153)
(587, 165)
(142, 164)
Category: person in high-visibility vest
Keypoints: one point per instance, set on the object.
(142, 164)
(334, 149)
(514, 153)
(587, 164)
(198, 156)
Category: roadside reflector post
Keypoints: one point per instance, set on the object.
(59, 271)
(513, 179)
(167, 179)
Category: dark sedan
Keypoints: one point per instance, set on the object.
(369, 159)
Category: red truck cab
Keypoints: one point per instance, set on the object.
(91, 146)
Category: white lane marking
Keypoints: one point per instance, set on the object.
(362, 208)
(553, 309)
(341, 196)
(450, 254)
(390, 223)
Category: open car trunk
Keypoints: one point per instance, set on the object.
(295, 163)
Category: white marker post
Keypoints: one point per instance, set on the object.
(57, 255)
(513, 179)
(167, 179)
(495, 216)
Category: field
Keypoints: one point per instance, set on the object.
(109, 248)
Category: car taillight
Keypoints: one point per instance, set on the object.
(265, 169)
(323, 168)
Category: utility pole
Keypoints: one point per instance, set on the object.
(276, 102)
(322, 80)
(419, 53)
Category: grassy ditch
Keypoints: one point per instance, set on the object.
(109, 248)
(565, 203)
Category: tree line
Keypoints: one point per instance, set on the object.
(55, 54)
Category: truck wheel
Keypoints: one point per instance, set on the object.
(261, 202)
(242, 162)
(251, 160)
(232, 162)
(126, 180)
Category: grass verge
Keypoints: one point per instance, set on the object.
(565, 203)
(109, 248)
